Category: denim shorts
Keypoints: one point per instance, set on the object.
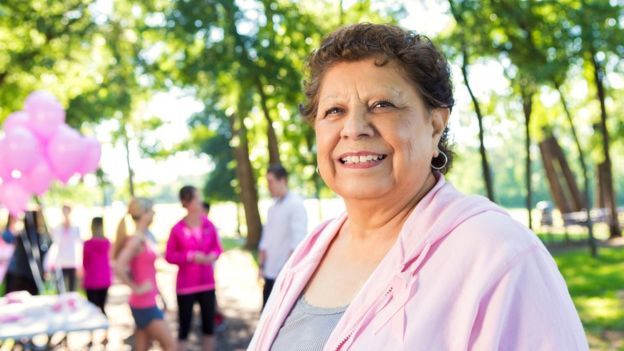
(144, 316)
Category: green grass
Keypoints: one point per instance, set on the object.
(549, 238)
(229, 243)
(595, 285)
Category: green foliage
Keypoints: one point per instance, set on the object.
(45, 45)
(246, 61)
(212, 134)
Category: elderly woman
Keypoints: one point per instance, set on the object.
(413, 264)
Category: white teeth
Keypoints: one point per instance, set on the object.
(361, 159)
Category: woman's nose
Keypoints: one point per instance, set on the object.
(356, 124)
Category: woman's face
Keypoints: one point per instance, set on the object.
(149, 216)
(374, 134)
(194, 204)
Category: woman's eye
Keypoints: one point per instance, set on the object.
(333, 111)
(381, 104)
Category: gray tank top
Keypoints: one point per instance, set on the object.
(307, 327)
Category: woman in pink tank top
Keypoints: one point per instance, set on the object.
(135, 257)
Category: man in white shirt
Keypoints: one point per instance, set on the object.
(66, 238)
(285, 228)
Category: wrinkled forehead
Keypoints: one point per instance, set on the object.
(339, 78)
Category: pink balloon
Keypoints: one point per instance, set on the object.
(46, 114)
(38, 180)
(14, 197)
(20, 150)
(91, 156)
(65, 153)
(16, 119)
(5, 171)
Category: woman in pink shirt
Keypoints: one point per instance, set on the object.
(96, 265)
(194, 247)
(413, 264)
(135, 259)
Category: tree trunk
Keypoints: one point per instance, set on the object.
(274, 156)
(586, 199)
(341, 13)
(244, 170)
(130, 171)
(527, 108)
(254, 70)
(485, 167)
(238, 219)
(609, 194)
(246, 179)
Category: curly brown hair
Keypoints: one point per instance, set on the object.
(424, 65)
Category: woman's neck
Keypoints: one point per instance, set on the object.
(141, 228)
(382, 218)
(193, 219)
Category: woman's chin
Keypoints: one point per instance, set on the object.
(362, 191)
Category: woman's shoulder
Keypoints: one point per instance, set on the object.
(178, 227)
(494, 237)
(498, 227)
(318, 238)
(97, 242)
(207, 223)
(135, 240)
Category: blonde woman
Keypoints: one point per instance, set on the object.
(134, 264)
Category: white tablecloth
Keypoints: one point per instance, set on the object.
(37, 315)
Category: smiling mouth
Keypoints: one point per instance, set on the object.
(353, 160)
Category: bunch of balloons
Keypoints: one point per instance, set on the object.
(39, 147)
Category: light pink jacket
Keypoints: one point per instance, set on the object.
(462, 275)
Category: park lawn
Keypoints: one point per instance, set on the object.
(597, 288)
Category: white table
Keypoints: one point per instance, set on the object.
(48, 315)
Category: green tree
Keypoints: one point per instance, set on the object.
(466, 46)
(119, 94)
(45, 45)
(247, 62)
(600, 37)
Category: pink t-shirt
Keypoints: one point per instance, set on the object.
(96, 264)
(142, 269)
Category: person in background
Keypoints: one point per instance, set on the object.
(206, 207)
(25, 270)
(10, 230)
(7, 246)
(135, 258)
(96, 265)
(285, 228)
(194, 247)
(66, 238)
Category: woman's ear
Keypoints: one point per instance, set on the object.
(439, 119)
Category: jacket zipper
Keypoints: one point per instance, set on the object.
(348, 336)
